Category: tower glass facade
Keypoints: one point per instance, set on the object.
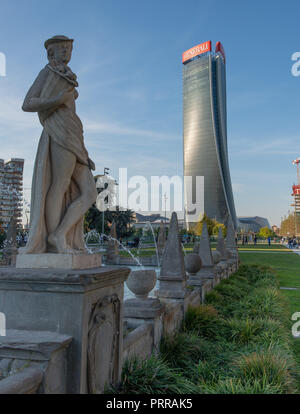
(205, 133)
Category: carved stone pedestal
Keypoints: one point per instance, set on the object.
(58, 261)
(138, 312)
(84, 304)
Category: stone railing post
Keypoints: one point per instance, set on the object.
(143, 309)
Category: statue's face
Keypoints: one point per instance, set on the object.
(62, 52)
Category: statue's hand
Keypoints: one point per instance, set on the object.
(91, 164)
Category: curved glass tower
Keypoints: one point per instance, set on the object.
(205, 130)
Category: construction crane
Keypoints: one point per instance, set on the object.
(297, 162)
(296, 194)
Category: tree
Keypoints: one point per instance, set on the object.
(123, 219)
(287, 226)
(190, 232)
(212, 226)
(265, 232)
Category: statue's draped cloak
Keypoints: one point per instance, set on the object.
(63, 127)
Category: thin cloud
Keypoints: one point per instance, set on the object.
(262, 146)
(115, 129)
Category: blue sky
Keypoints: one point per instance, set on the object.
(127, 56)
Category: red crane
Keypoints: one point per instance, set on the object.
(296, 188)
(296, 193)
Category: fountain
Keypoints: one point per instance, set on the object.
(145, 228)
(101, 249)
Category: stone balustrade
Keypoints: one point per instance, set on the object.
(66, 327)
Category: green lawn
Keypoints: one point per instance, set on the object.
(263, 246)
(287, 267)
(259, 246)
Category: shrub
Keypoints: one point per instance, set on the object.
(206, 373)
(182, 349)
(214, 298)
(237, 386)
(238, 342)
(243, 331)
(268, 367)
(230, 291)
(153, 376)
(264, 303)
(203, 320)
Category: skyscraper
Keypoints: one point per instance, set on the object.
(11, 189)
(205, 129)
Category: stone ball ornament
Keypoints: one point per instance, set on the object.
(193, 263)
(141, 282)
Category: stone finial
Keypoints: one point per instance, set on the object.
(221, 244)
(172, 274)
(173, 258)
(230, 236)
(161, 241)
(206, 272)
(205, 250)
(141, 282)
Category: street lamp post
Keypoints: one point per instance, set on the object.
(165, 197)
(106, 171)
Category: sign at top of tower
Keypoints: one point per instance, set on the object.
(220, 48)
(195, 51)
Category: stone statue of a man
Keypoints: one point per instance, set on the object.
(63, 187)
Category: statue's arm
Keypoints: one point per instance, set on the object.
(34, 103)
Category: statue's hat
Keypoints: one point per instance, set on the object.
(56, 39)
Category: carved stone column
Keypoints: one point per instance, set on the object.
(87, 305)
